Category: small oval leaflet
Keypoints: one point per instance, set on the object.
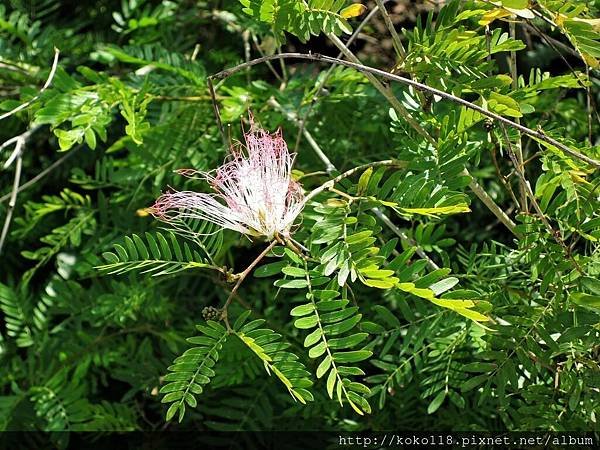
(353, 11)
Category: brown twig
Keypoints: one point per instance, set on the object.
(213, 97)
(241, 277)
(540, 135)
(554, 233)
(321, 85)
(331, 168)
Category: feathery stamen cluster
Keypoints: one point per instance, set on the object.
(254, 192)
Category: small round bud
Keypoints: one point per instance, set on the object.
(211, 313)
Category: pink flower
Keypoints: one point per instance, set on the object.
(254, 193)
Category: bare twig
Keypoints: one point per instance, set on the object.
(42, 174)
(269, 65)
(515, 85)
(330, 168)
(321, 85)
(22, 137)
(211, 89)
(44, 87)
(329, 184)
(242, 276)
(13, 195)
(385, 91)
(390, 25)
(539, 135)
(554, 233)
(489, 202)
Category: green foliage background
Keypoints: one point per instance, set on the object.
(97, 298)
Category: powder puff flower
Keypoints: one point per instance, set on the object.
(254, 193)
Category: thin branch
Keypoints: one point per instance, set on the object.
(385, 90)
(11, 141)
(540, 135)
(320, 87)
(390, 25)
(22, 137)
(44, 87)
(515, 85)
(269, 65)
(554, 233)
(42, 174)
(330, 168)
(489, 202)
(13, 195)
(211, 89)
(329, 184)
(242, 276)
